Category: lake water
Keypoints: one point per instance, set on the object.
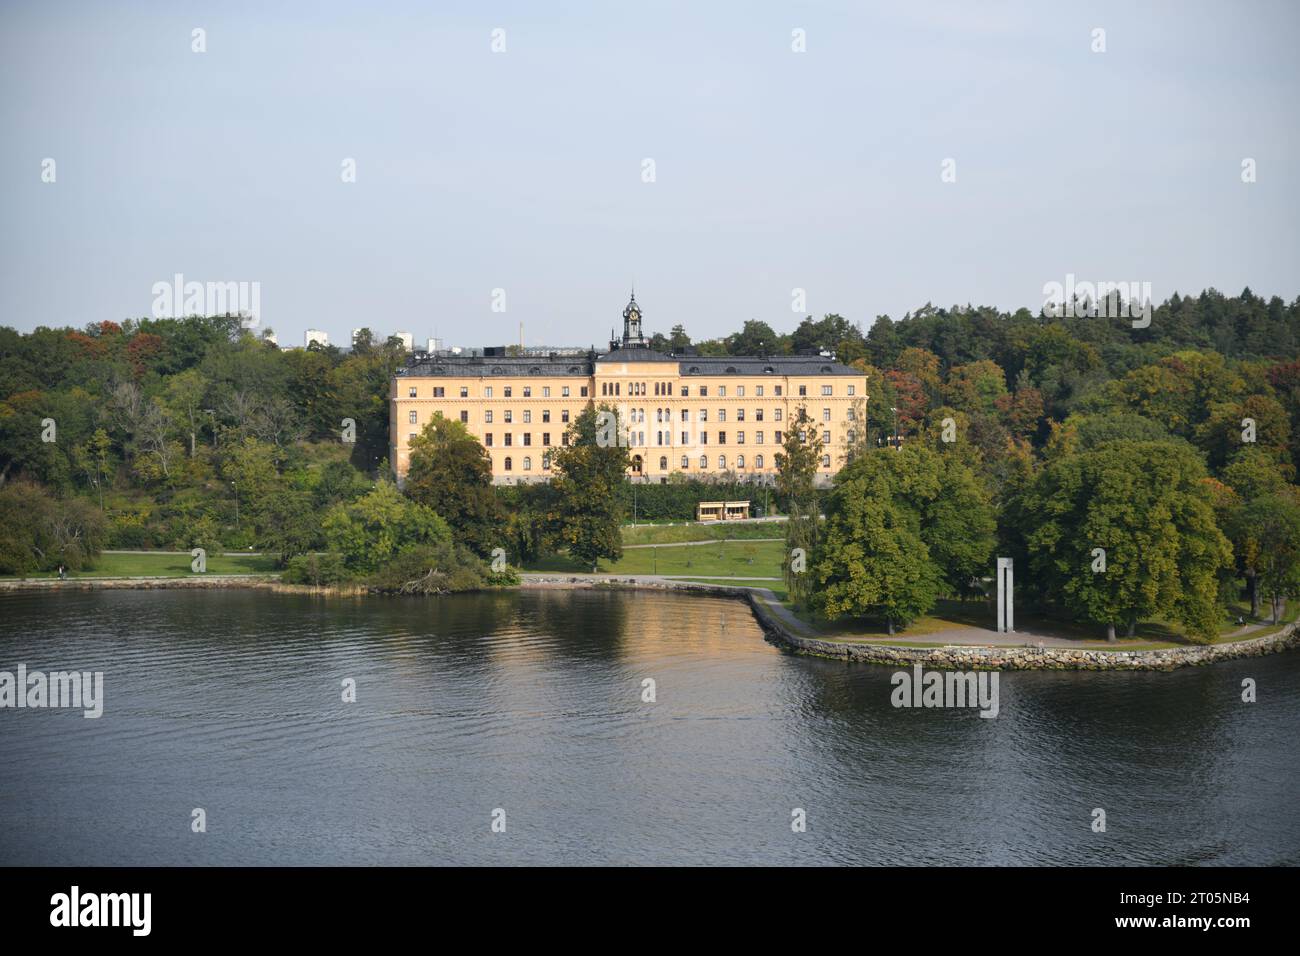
(530, 702)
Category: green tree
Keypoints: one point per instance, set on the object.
(1272, 523)
(1147, 506)
(795, 476)
(452, 473)
(371, 530)
(588, 474)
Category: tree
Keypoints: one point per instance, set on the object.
(588, 473)
(795, 476)
(756, 338)
(452, 473)
(1147, 507)
(39, 532)
(289, 525)
(371, 530)
(186, 393)
(1272, 523)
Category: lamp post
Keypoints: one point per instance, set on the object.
(236, 487)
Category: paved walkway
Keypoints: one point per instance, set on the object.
(965, 636)
(696, 544)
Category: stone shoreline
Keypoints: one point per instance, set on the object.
(953, 656)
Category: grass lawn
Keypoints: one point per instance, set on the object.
(713, 531)
(169, 564)
(757, 559)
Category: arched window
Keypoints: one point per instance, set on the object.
(528, 463)
(722, 462)
(758, 461)
(546, 462)
(686, 463)
(507, 464)
(704, 461)
(663, 463)
(740, 462)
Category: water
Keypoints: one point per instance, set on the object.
(531, 702)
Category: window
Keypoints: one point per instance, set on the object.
(740, 438)
(510, 416)
(826, 414)
(685, 391)
(464, 391)
(722, 462)
(487, 439)
(686, 416)
(853, 390)
(487, 391)
(826, 438)
(722, 414)
(604, 389)
(704, 438)
(740, 391)
(758, 414)
(528, 391)
(778, 415)
(464, 416)
(704, 414)
(564, 415)
(704, 461)
(777, 438)
(704, 391)
(546, 391)
(826, 461)
(546, 462)
(758, 390)
(528, 416)
(663, 463)
(740, 462)
(528, 438)
(803, 390)
(722, 438)
(564, 438)
(740, 414)
(507, 391)
(546, 415)
(758, 461)
(410, 393)
(778, 390)
(546, 439)
(686, 438)
(487, 416)
(852, 414)
(439, 392)
(758, 440)
(564, 392)
(507, 461)
(826, 390)
(722, 391)
(410, 436)
(686, 463)
(850, 436)
(509, 437)
(584, 391)
(413, 416)
(528, 462)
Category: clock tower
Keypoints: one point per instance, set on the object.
(632, 324)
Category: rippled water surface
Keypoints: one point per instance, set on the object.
(531, 702)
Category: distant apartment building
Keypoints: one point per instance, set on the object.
(406, 338)
(687, 414)
(315, 335)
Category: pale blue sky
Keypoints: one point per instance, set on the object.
(522, 170)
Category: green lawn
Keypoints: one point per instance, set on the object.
(756, 559)
(169, 564)
(713, 531)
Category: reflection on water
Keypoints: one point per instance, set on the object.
(232, 701)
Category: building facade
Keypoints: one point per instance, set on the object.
(687, 414)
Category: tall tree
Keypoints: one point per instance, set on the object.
(452, 473)
(588, 472)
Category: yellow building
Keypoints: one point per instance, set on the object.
(684, 413)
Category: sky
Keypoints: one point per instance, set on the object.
(940, 152)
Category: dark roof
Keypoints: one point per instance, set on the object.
(765, 365)
(519, 366)
(634, 353)
(508, 365)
